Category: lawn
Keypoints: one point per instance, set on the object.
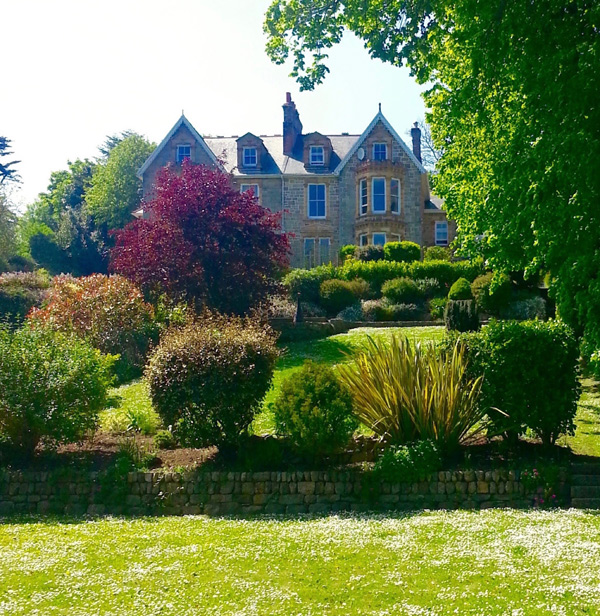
(435, 563)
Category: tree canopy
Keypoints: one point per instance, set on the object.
(115, 191)
(7, 172)
(513, 99)
(203, 241)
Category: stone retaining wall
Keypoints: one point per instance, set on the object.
(222, 493)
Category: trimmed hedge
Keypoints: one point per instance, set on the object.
(492, 295)
(336, 295)
(402, 251)
(402, 291)
(530, 371)
(461, 289)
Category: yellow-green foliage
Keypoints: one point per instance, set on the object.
(405, 392)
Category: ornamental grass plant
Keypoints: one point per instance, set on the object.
(405, 392)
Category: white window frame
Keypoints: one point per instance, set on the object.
(324, 241)
(311, 256)
(179, 157)
(363, 196)
(395, 237)
(324, 202)
(398, 195)
(441, 224)
(321, 158)
(363, 239)
(254, 187)
(383, 211)
(255, 156)
(385, 149)
(384, 238)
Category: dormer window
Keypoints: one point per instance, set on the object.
(250, 157)
(317, 155)
(184, 152)
(379, 151)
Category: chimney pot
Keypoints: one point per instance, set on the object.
(292, 127)
(415, 133)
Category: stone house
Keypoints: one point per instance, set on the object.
(332, 190)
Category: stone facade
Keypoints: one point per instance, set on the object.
(225, 493)
(293, 173)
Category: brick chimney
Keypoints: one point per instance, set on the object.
(415, 133)
(292, 127)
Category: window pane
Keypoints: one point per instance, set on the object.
(309, 252)
(395, 196)
(379, 194)
(363, 240)
(317, 156)
(363, 197)
(441, 233)
(316, 200)
(324, 244)
(378, 239)
(379, 151)
(183, 152)
(250, 157)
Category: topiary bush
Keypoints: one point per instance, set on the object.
(314, 411)
(370, 253)
(492, 294)
(402, 291)
(402, 251)
(347, 252)
(530, 371)
(108, 311)
(461, 315)
(337, 295)
(52, 387)
(208, 379)
(307, 282)
(461, 289)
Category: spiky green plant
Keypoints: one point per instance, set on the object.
(405, 392)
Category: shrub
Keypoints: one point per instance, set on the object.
(374, 309)
(51, 387)
(408, 463)
(361, 288)
(526, 309)
(402, 312)
(430, 287)
(461, 315)
(530, 374)
(347, 252)
(352, 313)
(164, 439)
(109, 311)
(370, 253)
(402, 251)
(461, 289)
(20, 292)
(312, 310)
(336, 295)
(374, 272)
(402, 290)
(437, 253)
(307, 282)
(314, 411)
(492, 294)
(437, 307)
(208, 379)
(279, 307)
(404, 392)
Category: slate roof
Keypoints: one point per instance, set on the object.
(434, 204)
(276, 161)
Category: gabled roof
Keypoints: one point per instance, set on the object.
(183, 121)
(379, 118)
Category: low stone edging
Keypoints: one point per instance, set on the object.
(243, 493)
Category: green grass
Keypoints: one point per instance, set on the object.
(493, 562)
(586, 440)
(130, 407)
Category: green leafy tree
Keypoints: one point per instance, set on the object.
(115, 190)
(8, 223)
(513, 94)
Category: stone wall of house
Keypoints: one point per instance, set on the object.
(429, 220)
(239, 493)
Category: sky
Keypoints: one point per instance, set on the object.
(75, 71)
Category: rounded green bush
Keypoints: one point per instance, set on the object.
(461, 289)
(208, 379)
(437, 253)
(402, 251)
(402, 291)
(347, 252)
(492, 296)
(52, 387)
(337, 295)
(314, 411)
(370, 253)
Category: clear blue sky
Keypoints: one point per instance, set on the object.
(75, 71)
